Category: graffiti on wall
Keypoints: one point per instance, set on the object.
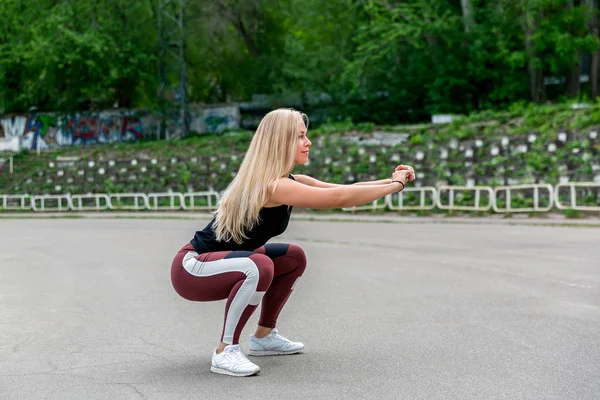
(215, 119)
(47, 131)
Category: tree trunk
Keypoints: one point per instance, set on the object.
(595, 56)
(241, 28)
(594, 61)
(235, 17)
(536, 77)
(468, 16)
(573, 83)
(432, 40)
(536, 84)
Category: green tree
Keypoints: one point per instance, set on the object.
(67, 54)
(383, 61)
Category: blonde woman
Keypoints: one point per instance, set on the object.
(230, 258)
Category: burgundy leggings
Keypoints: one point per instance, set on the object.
(244, 278)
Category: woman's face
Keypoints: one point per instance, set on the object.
(303, 145)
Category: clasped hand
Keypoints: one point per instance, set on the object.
(403, 173)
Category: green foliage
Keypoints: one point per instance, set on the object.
(204, 161)
(371, 61)
(570, 213)
(332, 127)
(66, 53)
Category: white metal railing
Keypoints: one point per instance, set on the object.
(509, 190)
(573, 186)
(57, 202)
(81, 202)
(429, 198)
(176, 201)
(189, 202)
(395, 201)
(23, 199)
(128, 201)
(477, 200)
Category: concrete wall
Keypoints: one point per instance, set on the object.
(48, 130)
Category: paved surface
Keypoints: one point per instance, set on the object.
(388, 311)
(549, 219)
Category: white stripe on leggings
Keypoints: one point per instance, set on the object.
(246, 294)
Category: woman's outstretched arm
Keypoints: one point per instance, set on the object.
(310, 181)
(295, 193)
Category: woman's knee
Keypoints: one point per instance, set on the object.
(265, 270)
(297, 253)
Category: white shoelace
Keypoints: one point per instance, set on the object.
(276, 334)
(236, 354)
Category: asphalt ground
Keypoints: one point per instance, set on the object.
(411, 309)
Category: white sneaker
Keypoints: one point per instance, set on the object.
(273, 344)
(231, 361)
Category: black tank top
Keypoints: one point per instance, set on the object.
(273, 221)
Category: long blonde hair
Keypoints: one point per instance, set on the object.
(270, 156)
